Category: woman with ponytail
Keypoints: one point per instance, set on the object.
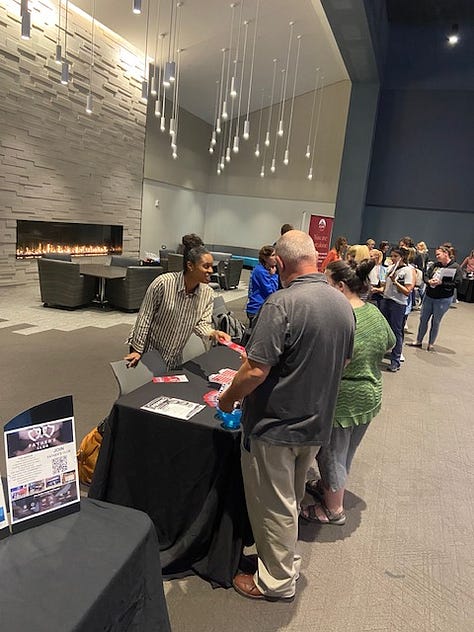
(176, 305)
(360, 393)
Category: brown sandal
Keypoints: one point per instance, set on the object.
(309, 514)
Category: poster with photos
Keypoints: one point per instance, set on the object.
(42, 474)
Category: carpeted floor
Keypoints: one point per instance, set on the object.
(404, 559)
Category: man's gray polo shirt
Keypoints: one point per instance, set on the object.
(305, 332)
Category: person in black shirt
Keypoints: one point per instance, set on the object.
(441, 278)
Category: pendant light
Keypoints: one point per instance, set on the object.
(137, 7)
(290, 122)
(267, 134)
(154, 81)
(89, 99)
(146, 74)
(58, 55)
(282, 104)
(65, 64)
(318, 118)
(308, 145)
(25, 20)
(257, 147)
(252, 65)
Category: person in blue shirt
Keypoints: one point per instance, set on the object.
(263, 281)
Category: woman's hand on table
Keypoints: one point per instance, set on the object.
(132, 359)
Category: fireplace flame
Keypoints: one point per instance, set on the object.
(83, 250)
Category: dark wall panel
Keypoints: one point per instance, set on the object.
(424, 150)
(429, 226)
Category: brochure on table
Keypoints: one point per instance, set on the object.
(42, 476)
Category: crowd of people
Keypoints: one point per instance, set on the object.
(310, 381)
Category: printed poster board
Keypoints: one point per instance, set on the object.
(42, 476)
(320, 230)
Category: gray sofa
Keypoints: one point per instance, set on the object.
(63, 285)
(128, 293)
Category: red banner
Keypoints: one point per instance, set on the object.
(320, 229)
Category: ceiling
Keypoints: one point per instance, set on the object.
(205, 30)
(428, 11)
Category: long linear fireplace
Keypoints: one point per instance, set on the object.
(34, 239)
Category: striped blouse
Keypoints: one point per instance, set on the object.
(168, 316)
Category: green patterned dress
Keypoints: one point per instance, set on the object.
(360, 393)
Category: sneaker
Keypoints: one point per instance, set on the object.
(402, 358)
(393, 368)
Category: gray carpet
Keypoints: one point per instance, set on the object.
(404, 559)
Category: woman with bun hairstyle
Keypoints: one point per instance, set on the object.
(360, 394)
(176, 305)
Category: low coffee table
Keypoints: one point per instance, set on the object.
(103, 272)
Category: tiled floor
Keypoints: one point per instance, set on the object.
(21, 305)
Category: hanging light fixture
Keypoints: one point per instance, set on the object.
(279, 127)
(26, 24)
(65, 64)
(257, 147)
(218, 116)
(282, 104)
(234, 80)
(224, 112)
(175, 91)
(267, 134)
(235, 145)
(158, 102)
(290, 122)
(170, 65)
(89, 99)
(216, 107)
(137, 7)
(308, 145)
(154, 81)
(146, 73)
(59, 55)
(247, 118)
(318, 118)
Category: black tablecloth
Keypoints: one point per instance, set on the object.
(92, 570)
(184, 474)
(466, 291)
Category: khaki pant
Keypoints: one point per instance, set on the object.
(274, 480)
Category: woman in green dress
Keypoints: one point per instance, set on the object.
(360, 394)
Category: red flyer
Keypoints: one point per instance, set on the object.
(211, 398)
(224, 376)
(170, 378)
(234, 346)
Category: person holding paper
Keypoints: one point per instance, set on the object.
(399, 283)
(441, 278)
(176, 304)
(288, 382)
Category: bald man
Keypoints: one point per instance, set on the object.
(288, 385)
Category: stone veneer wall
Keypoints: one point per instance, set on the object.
(57, 162)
